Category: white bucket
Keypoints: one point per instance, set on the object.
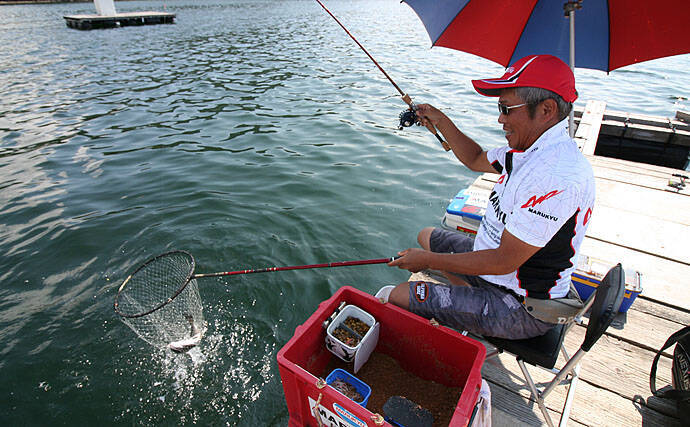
(361, 352)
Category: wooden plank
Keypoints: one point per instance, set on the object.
(622, 368)
(633, 192)
(633, 168)
(683, 116)
(635, 126)
(660, 205)
(587, 132)
(650, 178)
(485, 183)
(592, 405)
(648, 206)
(662, 279)
(642, 180)
(644, 329)
(661, 311)
(640, 232)
(509, 409)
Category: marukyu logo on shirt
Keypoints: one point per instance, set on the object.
(534, 200)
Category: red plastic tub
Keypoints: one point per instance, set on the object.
(408, 338)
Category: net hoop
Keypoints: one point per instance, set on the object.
(177, 292)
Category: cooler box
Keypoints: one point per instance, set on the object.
(465, 212)
(433, 353)
(590, 272)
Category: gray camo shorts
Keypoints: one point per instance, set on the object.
(481, 308)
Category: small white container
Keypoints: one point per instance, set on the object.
(361, 352)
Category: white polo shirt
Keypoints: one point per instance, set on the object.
(544, 197)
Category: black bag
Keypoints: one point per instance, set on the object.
(680, 371)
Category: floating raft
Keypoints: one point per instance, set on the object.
(90, 22)
(639, 138)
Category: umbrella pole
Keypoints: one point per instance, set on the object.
(569, 8)
(571, 118)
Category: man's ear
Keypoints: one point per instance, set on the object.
(548, 109)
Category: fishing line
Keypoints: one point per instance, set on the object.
(407, 117)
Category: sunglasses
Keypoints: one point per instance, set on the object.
(504, 109)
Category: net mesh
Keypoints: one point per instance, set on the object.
(160, 301)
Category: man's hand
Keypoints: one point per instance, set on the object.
(428, 114)
(511, 254)
(412, 259)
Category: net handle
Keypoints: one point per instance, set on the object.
(299, 267)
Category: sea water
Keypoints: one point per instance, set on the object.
(249, 133)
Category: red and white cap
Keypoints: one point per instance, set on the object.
(543, 71)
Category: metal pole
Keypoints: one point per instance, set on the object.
(569, 8)
(571, 118)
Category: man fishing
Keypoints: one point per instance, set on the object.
(529, 239)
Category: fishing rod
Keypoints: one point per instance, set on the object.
(299, 267)
(407, 117)
(160, 300)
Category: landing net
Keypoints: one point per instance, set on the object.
(160, 302)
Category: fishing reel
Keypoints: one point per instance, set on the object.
(408, 118)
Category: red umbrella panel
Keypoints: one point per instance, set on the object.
(608, 34)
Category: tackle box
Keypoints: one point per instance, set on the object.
(465, 212)
(433, 353)
(589, 273)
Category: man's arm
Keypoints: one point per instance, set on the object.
(511, 254)
(464, 147)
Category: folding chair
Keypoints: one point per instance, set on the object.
(543, 351)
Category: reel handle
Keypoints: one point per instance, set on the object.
(429, 126)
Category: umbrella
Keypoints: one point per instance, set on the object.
(610, 33)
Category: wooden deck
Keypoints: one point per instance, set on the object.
(642, 222)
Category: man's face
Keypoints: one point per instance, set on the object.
(520, 130)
